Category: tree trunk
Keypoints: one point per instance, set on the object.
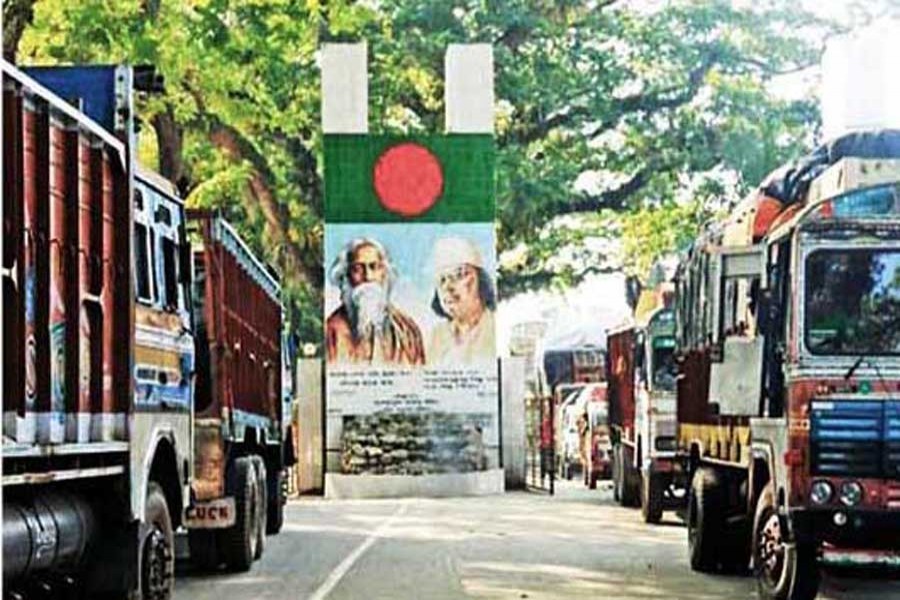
(17, 15)
(275, 215)
(170, 139)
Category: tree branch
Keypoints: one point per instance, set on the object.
(615, 199)
(276, 216)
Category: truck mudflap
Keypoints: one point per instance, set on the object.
(847, 528)
(214, 514)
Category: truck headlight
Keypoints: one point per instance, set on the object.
(821, 492)
(851, 493)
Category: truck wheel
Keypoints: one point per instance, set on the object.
(617, 475)
(158, 548)
(240, 540)
(276, 503)
(204, 549)
(783, 571)
(704, 520)
(651, 498)
(261, 505)
(631, 495)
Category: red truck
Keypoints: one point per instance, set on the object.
(239, 408)
(788, 344)
(642, 412)
(101, 356)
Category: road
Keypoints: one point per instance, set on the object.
(519, 545)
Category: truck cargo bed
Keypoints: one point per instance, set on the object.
(66, 277)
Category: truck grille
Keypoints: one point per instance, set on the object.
(855, 438)
(892, 440)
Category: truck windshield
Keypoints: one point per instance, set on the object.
(664, 368)
(853, 301)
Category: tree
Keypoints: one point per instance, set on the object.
(605, 107)
(606, 110)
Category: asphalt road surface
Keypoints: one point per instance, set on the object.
(517, 546)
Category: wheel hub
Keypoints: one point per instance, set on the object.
(157, 570)
(771, 548)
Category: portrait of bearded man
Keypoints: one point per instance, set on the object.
(367, 328)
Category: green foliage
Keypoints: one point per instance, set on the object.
(642, 99)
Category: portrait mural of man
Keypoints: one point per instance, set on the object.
(367, 328)
(465, 299)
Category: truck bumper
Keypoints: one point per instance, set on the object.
(862, 528)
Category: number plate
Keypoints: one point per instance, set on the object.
(215, 514)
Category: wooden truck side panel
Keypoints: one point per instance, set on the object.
(239, 376)
(620, 349)
(66, 275)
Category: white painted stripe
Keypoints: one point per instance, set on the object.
(345, 88)
(339, 571)
(469, 88)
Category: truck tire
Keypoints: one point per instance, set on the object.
(783, 571)
(240, 540)
(204, 548)
(651, 497)
(631, 484)
(259, 467)
(617, 474)
(157, 548)
(275, 508)
(704, 520)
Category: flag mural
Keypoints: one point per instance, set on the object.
(410, 297)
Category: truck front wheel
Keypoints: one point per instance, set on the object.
(783, 571)
(240, 540)
(158, 548)
(704, 520)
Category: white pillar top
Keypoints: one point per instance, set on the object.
(469, 88)
(345, 88)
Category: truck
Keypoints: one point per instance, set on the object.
(240, 410)
(595, 450)
(582, 364)
(641, 371)
(101, 356)
(788, 350)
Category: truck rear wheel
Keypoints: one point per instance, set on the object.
(704, 520)
(783, 571)
(158, 547)
(275, 508)
(651, 498)
(240, 540)
(261, 505)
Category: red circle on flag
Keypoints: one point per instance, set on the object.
(408, 179)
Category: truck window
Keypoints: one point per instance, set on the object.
(739, 306)
(171, 300)
(143, 263)
(665, 371)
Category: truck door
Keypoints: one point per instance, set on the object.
(736, 379)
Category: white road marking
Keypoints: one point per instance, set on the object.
(339, 571)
